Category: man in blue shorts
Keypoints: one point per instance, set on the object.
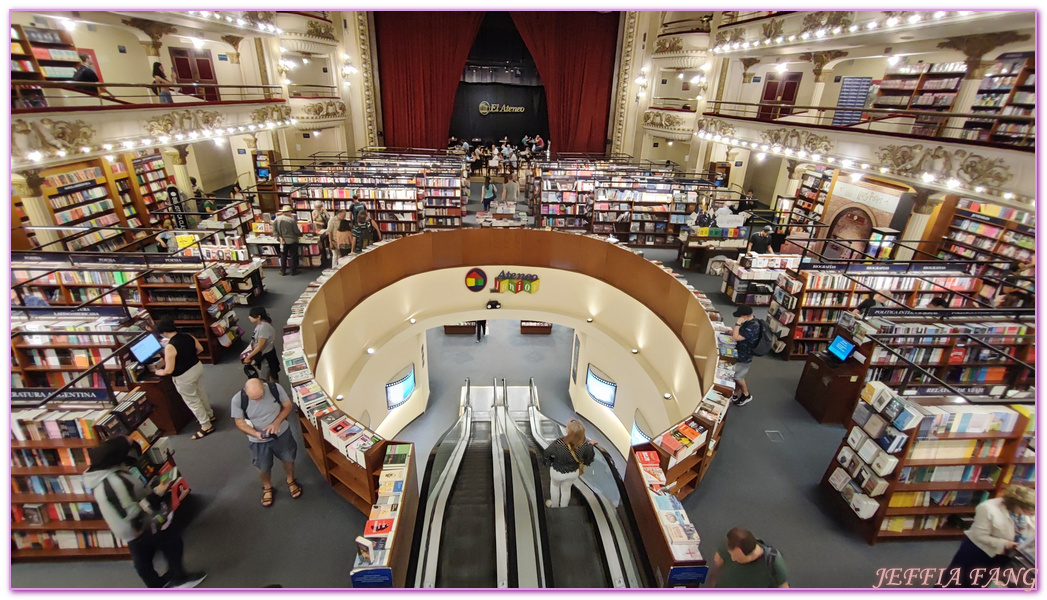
(746, 334)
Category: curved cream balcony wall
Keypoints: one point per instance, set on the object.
(436, 298)
(634, 304)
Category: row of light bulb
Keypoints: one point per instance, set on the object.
(826, 32)
(859, 168)
(217, 135)
(236, 21)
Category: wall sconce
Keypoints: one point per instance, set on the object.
(642, 82)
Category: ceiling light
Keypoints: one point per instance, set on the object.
(716, 138)
(820, 33)
(345, 57)
(198, 43)
(670, 142)
(229, 18)
(413, 320)
(129, 144)
(830, 160)
(756, 43)
(146, 141)
(286, 81)
(891, 22)
(68, 24)
(695, 79)
(35, 156)
(205, 13)
(864, 166)
(788, 151)
(680, 76)
(282, 49)
(305, 60)
(952, 184)
(218, 141)
(979, 189)
(761, 155)
(854, 28)
(193, 135)
(884, 169)
(107, 146)
(589, 320)
(667, 395)
(964, 13)
(110, 157)
(804, 35)
(1008, 196)
(60, 153)
(207, 133)
(241, 128)
(837, 30)
(163, 139)
(698, 97)
(914, 19)
(802, 154)
(635, 351)
(251, 127)
(339, 397)
(893, 60)
(939, 14)
(293, 120)
(871, 25)
(782, 67)
(370, 350)
(241, 22)
(792, 38)
(856, 177)
(86, 149)
(779, 40)
(927, 177)
(745, 45)
(816, 157)
(847, 163)
(764, 147)
(316, 133)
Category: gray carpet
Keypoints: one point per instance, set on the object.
(767, 486)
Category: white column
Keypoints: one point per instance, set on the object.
(35, 204)
(913, 231)
(176, 157)
(965, 99)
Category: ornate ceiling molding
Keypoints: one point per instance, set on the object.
(363, 48)
(714, 126)
(267, 17)
(729, 36)
(798, 139)
(156, 30)
(967, 167)
(184, 121)
(974, 47)
(233, 40)
(747, 63)
(301, 43)
(820, 59)
(320, 30)
(625, 68)
(49, 136)
(773, 28)
(271, 113)
(668, 44)
(667, 120)
(670, 125)
(825, 19)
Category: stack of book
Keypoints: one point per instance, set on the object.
(676, 526)
(374, 546)
(683, 439)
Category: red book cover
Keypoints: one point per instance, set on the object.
(648, 457)
(379, 527)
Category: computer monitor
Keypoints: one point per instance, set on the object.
(840, 348)
(146, 348)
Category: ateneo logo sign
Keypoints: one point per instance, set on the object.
(515, 283)
(486, 108)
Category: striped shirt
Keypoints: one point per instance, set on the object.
(558, 456)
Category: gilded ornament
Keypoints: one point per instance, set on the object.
(798, 139)
(671, 44)
(49, 136)
(320, 30)
(271, 113)
(182, 122)
(714, 126)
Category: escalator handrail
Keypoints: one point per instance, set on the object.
(627, 509)
(543, 525)
(434, 515)
(533, 493)
(499, 477)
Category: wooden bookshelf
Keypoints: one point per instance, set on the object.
(39, 54)
(61, 520)
(927, 519)
(153, 181)
(922, 86)
(1007, 90)
(564, 203)
(442, 195)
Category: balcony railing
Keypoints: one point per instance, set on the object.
(982, 128)
(308, 90)
(53, 96)
(735, 17)
(678, 104)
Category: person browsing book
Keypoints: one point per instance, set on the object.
(260, 411)
(182, 363)
(285, 228)
(263, 344)
(120, 495)
(567, 458)
(746, 334)
(760, 242)
(742, 561)
(871, 301)
(1001, 526)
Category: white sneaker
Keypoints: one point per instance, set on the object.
(549, 503)
(194, 580)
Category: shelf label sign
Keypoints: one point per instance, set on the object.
(377, 577)
(39, 394)
(177, 207)
(515, 283)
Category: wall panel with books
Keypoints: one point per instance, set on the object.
(153, 181)
(1007, 90)
(911, 468)
(54, 514)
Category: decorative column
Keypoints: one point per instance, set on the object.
(35, 204)
(923, 206)
(974, 47)
(155, 30)
(794, 173)
(176, 156)
(748, 63)
(820, 59)
(234, 56)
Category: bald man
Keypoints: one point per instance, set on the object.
(260, 411)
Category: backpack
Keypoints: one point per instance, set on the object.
(244, 399)
(770, 555)
(766, 342)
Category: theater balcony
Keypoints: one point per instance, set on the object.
(671, 119)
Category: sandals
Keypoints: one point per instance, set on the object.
(296, 490)
(267, 496)
(199, 435)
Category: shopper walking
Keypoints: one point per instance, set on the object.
(182, 363)
(1000, 526)
(510, 189)
(332, 234)
(489, 193)
(263, 345)
(285, 227)
(260, 411)
(746, 334)
(567, 458)
(161, 83)
(742, 561)
(481, 329)
(119, 495)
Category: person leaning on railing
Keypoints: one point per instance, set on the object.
(159, 77)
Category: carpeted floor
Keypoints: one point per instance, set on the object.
(765, 477)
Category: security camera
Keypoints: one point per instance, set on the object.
(493, 304)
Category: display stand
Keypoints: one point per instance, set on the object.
(466, 328)
(534, 327)
(830, 391)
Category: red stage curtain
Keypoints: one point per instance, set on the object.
(421, 56)
(574, 53)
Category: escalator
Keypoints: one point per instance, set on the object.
(467, 546)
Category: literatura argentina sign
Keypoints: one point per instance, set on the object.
(515, 283)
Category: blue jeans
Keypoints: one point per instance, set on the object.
(165, 98)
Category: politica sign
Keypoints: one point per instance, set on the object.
(486, 108)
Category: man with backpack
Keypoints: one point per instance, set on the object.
(260, 411)
(752, 338)
(742, 561)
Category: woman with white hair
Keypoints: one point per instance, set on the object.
(567, 458)
(320, 218)
(1000, 526)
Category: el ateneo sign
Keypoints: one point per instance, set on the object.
(488, 108)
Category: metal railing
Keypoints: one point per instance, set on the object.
(30, 96)
(309, 90)
(735, 17)
(969, 128)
